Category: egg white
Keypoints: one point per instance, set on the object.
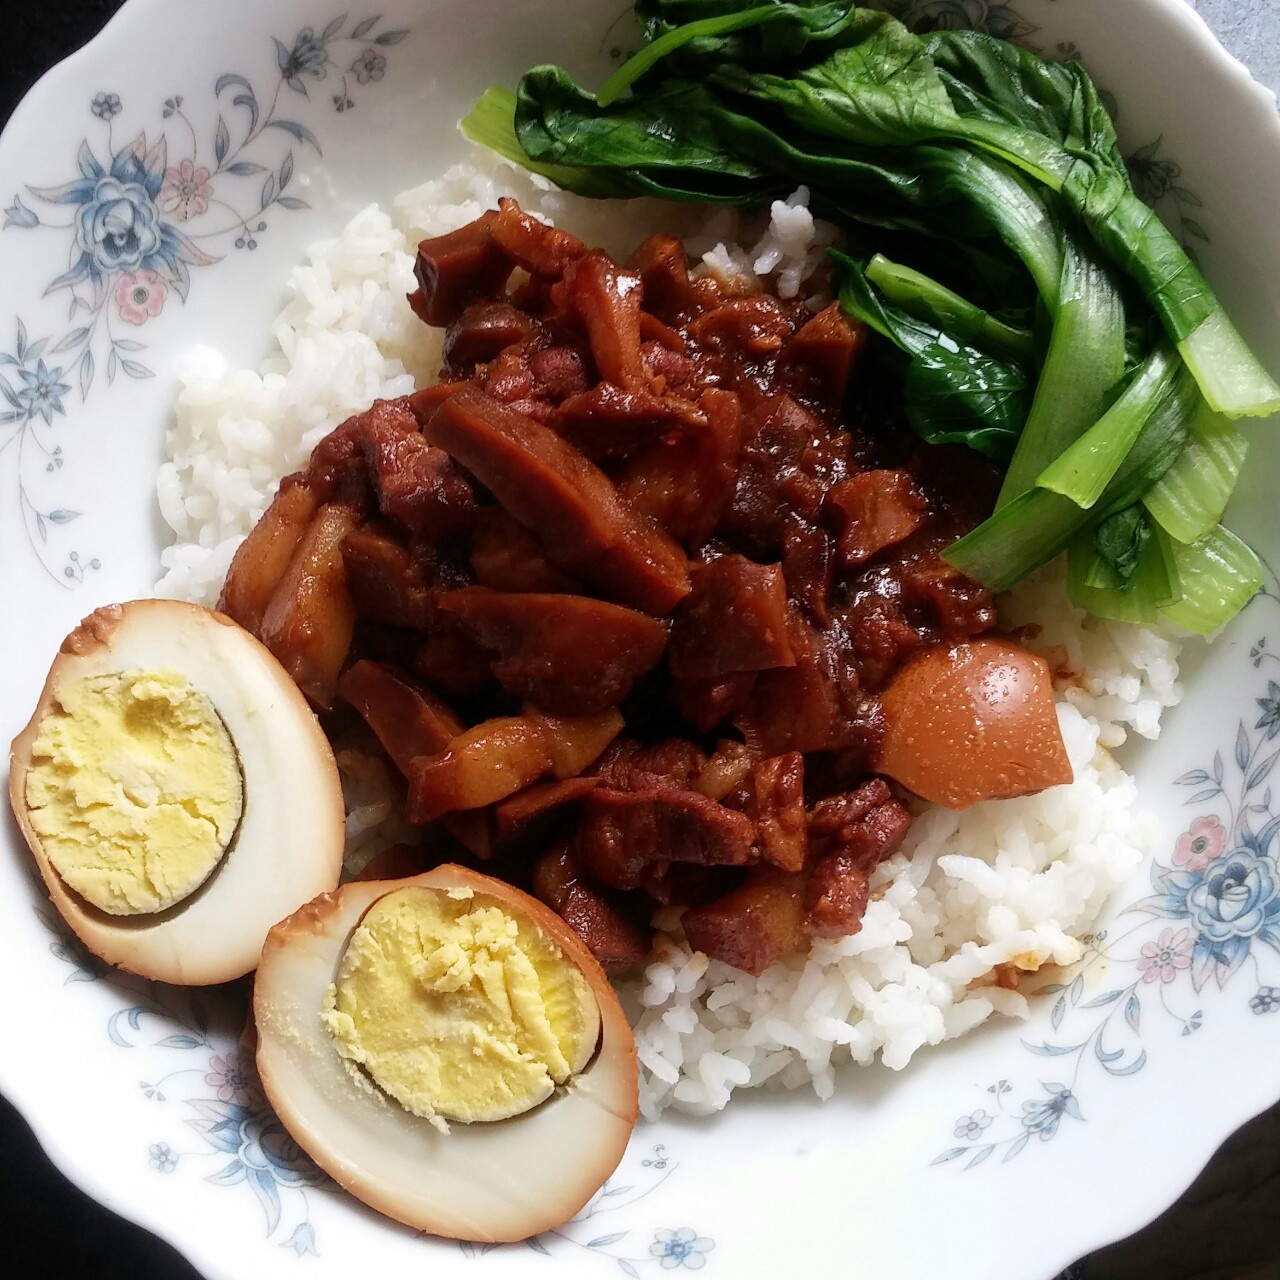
(289, 843)
(491, 1181)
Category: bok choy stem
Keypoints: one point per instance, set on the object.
(1038, 524)
(935, 304)
(1083, 471)
(1189, 499)
(1084, 361)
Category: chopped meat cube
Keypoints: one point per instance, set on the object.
(685, 482)
(725, 771)
(564, 499)
(753, 925)
(451, 660)
(630, 765)
(481, 332)
(559, 372)
(384, 580)
(623, 832)
(777, 434)
(707, 703)
(407, 720)
(734, 620)
(808, 561)
(262, 558)
(509, 377)
(822, 354)
(810, 706)
(459, 268)
(963, 607)
(617, 942)
(505, 556)
(568, 654)
(310, 620)
(607, 422)
(831, 816)
(754, 325)
(835, 897)
(875, 509)
(417, 486)
(674, 372)
(481, 765)
(773, 798)
(880, 634)
(866, 825)
(337, 471)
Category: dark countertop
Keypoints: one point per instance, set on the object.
(1221, 1229)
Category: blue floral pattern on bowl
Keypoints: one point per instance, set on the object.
(137, 217)
(243, 1143)
(1214, 913)
(249, 1148)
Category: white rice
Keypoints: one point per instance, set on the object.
(1008, 883)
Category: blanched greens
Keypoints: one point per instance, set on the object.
(1105, 383)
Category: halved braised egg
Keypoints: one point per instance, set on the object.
(449, 1051)
(176, 791)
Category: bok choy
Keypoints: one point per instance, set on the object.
(1106, 383)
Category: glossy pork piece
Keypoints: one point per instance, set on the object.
(644, 599)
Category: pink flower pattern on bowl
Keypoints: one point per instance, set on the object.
(1199, 846)
(140, 295)
(1161, 960)
(186, 191)
(233, 1080)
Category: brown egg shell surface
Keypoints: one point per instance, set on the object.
(493, 1181)
(289, 844)
(971, 722)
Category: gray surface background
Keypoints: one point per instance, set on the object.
(1250, 29)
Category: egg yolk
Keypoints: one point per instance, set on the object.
(134, 789)
(458, 1009)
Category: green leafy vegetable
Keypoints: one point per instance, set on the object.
(1038, 524)
(1218, 576)
(1083, 471)
(663, 45)
(1108, 382)
(1151, 584)
(933, 303)
(953, 393)
(1119, 540)
(1189, 499)
(1084, 362)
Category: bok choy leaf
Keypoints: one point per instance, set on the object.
(1067, 330)
(927, 300)
(953, 393)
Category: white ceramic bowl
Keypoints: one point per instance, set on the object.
(1003, 1156)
